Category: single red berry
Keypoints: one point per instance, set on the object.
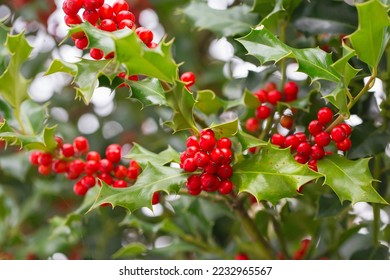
(225, 171)
(120, 184)
(210, 182)
(153, 45)
(278, 140)
(72, 20)
(188, 78)
(67, 150)
(286, 121)
(261, 95)
(216, 155)
(92, 16)
(301, 136)
(146, 36)
(225, 187)
(93, 155)
(207, 142)
(92, 4)
(201, 159)
(88, 181)
(155, 198)
(317, 152)
(224, 143)
(241, 256)
(71, 175)
(34, 157)
(107, 25)
(347, 128)
(274, 96)
(44, 169)
(126, 23)
(81, 43)
(134, 170)
(194, 192)
(189, 165)
(207, 132)
(106, 12)
(344, 145)
(292, 141)
(227, 156)
(192, 141)
(194, 183)
(315, 127)
(262, 112)
(212, 168)
(252, 125)
(81, 144)
(300, 159)
(68, 11)
(125, 15)
(106, 178)
(338, 134)
(79, 189)
(304, 150)
(60, 166)
(76, 166)
(114, 153)
(77, 35)
(322, 139)
(325, 115)
(120, 171)
(269, 86)
(313, 165)
(106, 166)
(96, 54)
(74, 5)
(120, 5)
(191, 151)
(91, 166)
(45, 159)
(291, 91)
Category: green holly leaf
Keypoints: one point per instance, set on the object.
(229, 22)
(130, 251)
(152, 179)
(182, 103)
(144, 156)
(266, 47)
(371, 37)
(338, 97)
(249, 141)
(228, 129)
(249, 100)
(148, 92)
(350, 180)
(13, 84)
(272, 174)
(208, 103)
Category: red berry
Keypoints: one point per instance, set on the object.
(344, 145)
(67, 150)
(292, 141)
(92, 4)
(126, 23)
(81, 144)
(146, 36)
(106, 178)
(77, 167)
(301, 136)
(304, 150)
(317, 152)
(269, 86)
(225, 171)
(134, 170)
(207, 132)
(106, 166)
(201, 159)
(44, 169)
(120, 5)
(325, 115)
(72, 19)
(34, 156)
(93, 155)
(216, 155)
(212, 168)
(322, 139)
(96, 54)
(107, 25)
(290, 91)
(45, 159)
(315, 127)
(261, 95)
(313, 165)
(224, 143)
(114, 153)
(125, 15)
(338, 134)
(88, 181)
(155, 198)
(227, 156)
(210, 182)
(91, 167)
(346, 127)
(300, 159)
(106, 12)
(278, 140)
(74, 5)
(194, 183)
(225, 187)
(80, 189)
(81, 43)
(60, 166)
(274, 96)
(192, 141)
(188, 78)
(120, 184)
(252, 125)
(189, 165)
(92, 16)
(120, 171)
(286, 121)
(207, 142)
(262, 112)
(195, 192)
(59, 141)
(241, 256)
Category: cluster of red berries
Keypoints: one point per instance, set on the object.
(77, 162)
(310, 150)
(105, 17)
(269, 96)
(212, 158)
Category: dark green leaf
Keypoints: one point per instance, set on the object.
(208, 103)
(228, 129)
(130, 251)
(350, 180)
(330, 206)
(380, 252)
(272, 174)
(148, 91)
(248, 141)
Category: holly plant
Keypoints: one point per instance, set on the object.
(233, 130)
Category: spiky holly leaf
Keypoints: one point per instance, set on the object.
(148, 92)
(208, 103)
(228, 129)
(350, 180)
(182, 103)
(143, 156)
(372, 36)
(249, 141)
(152, 179)
(13, 84)
(266, 47)
(272, 174)
(229, 22)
